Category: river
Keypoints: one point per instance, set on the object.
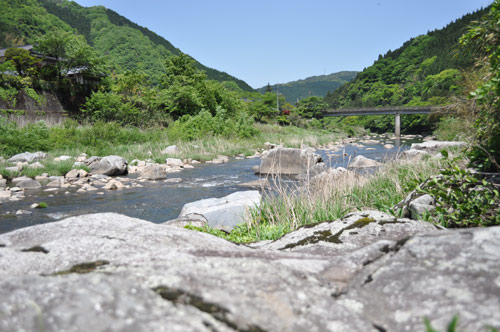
(160, 201)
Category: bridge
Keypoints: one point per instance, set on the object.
(397, 111)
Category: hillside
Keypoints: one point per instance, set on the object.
(424, 70)
(312, 86)
(110, 34)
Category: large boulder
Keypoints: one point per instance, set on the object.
(136, 276)
(154, 172)
(109, 165)
(27, 157)
(26, 183)
(288, 161)
(225, 212)
(362, 162)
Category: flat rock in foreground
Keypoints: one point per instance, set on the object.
(109, 272)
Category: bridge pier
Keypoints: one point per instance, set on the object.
(397, 125)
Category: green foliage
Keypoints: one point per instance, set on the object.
(264, 106)
(42, 205)
(462, 199)
(483, 40)
(9, 94)
(32, 137)
(24, 63)
(311, 107)
(72, 52)
(451, 326)
(204, 124)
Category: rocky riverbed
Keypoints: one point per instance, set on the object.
(158, 191)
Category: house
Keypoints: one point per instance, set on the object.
(77, 75)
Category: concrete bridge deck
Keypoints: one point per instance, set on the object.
(397, 111)
(381, 111)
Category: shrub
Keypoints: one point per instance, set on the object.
(462, 199)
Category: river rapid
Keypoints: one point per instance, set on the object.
(159, 201)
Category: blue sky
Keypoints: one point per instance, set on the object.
(278, 41)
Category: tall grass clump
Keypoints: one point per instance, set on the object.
(331, 197)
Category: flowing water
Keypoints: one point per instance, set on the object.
(160, 201)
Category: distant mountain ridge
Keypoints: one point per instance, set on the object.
(128, 45)
(312, 86)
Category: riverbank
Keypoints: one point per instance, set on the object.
(104, 139)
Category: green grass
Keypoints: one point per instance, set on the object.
(103, 139)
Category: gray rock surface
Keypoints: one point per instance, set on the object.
(225, 212)
(192, 219)
(109, 272)
(154, 172)
(109, 165)
(26, 183)
(361, 161)
(171, 149)
(27, 157)
(436, 145)
(413, 153)
(288, 161)
(421, 205)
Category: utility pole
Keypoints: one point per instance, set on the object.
(277, 98)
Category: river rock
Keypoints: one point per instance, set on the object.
(109, 165)
(436, 145)
(288, 161)
(76, 174)
(174, 162)
(173, 180)
(361, 162)
(27, 157)
(36, 165)
(63, 158)
(3, 183)
(193, 219)
(137, 276)
(171, 149)
(414, 154)
(225, 212)
(257, 184)
(29, 184)
(114, 185)
(421, 205)
(354, 231)
(5, 195)
(388, 146)
(13, 169)
(81, 158)
(219, 160)
(26, 183)
(154, 172)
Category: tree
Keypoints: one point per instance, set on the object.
(311, 107)
(71, 52)
(483, 40)
(24, 62)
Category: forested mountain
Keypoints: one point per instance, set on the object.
(127, 45)
(312, 86)
(425, 70)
